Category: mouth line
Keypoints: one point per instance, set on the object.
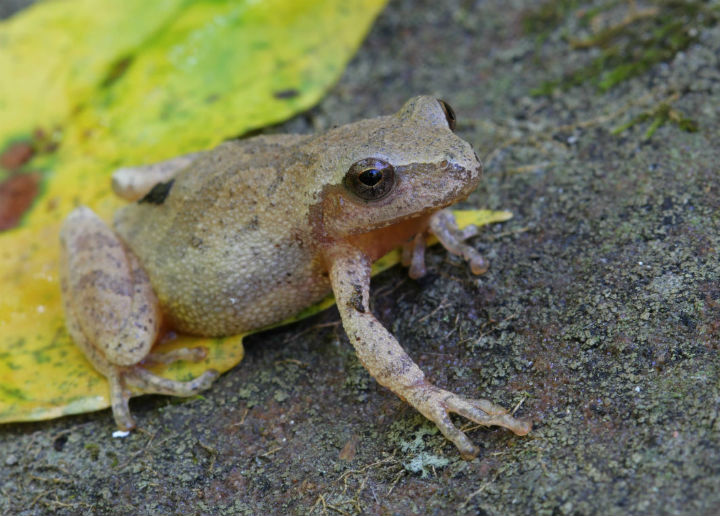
(445, 167)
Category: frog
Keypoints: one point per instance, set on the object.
(242, 236)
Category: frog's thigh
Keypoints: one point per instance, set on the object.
(112, 313)
(132, 183)
(107, 295)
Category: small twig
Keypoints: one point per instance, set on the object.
(400, 474)
(365, 468)
(511, 232)
(296, 336)
(57, 503)
(481, 488)
(438, 307)
(242, 419)
(40, 495)
(30, 443)
(294, 360)
(213, 454)
(518, 405)
(634, 14)
(338, 509)
(270, 452)
(495, 324)
(144, 449)
(319, 499)
(51, 479)
(532, 166)
(389, 290)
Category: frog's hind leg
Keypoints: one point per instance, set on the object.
(133, 183)
(111, 311)
(168, 357)
(148, 383)
(151, 383)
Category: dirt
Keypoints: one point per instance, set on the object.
(599, 318)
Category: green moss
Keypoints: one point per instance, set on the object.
(658, 116)
(546, 17)
(630, 46)
(93, 449)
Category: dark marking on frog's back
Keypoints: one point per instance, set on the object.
(158, 193)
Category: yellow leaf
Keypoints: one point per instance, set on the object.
(123, 82)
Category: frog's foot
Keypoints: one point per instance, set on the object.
(146, 382)
(168, 357)
(443, 226)
(436, 404)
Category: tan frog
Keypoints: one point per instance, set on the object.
(253, 231)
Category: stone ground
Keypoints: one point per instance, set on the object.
(600, 315)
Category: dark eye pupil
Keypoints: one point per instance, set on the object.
(370, 177)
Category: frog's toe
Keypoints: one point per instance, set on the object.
(437, 404)
(484, 412)
(196, 354)
(461, 441)
(119, 401)
(149, 383)
(478, 263)
(469, 231)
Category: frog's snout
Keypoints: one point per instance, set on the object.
(464, 176)
(468, 169)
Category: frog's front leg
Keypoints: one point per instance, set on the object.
(112, 313)
(443, 226)
(381, 354)
(133, 183)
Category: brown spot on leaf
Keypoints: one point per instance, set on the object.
(16, 155)
(16, 196)
(286, 94)
(116, 71)
(45, 141)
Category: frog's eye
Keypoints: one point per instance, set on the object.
(449, 114)
(370, 178)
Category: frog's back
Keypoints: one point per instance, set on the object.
(226, 244)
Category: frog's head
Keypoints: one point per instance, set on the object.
(391, 169)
